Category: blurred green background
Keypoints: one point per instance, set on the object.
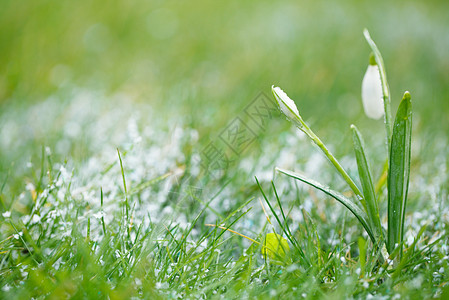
(209, 59)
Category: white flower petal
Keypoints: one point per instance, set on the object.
(287, 105)
(372, 96)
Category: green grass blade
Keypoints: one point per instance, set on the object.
(399, 172)
(408, 254)
(362, 255)
(366, 180)
(356, 210)
(124, 185)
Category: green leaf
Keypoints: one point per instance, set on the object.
(366, 180)
(356, 210)
(399, 172)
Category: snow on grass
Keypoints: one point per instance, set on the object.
(167, 190)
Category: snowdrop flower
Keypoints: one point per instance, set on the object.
(286, 104)
(289, 109)
(372, 95)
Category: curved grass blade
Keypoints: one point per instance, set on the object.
(399, 172)
(366, 180)
(356, 211)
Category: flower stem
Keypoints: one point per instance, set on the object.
(303, 126)
(385, 88)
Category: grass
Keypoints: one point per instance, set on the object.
(103, 188)
(127, 227)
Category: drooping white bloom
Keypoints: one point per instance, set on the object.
(372, 96)
(287, 106)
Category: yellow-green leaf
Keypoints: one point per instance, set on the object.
(275, 246)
